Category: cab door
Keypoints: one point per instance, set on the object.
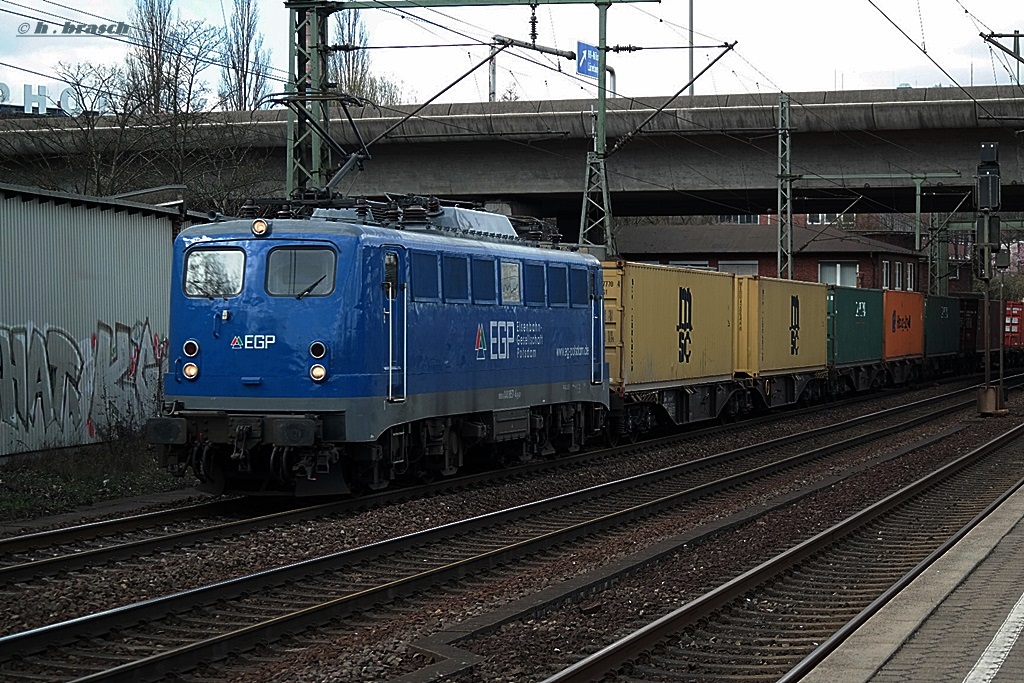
(597, 328)
(396, 303)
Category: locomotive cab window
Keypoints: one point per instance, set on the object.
(214, 273)
(300, 272)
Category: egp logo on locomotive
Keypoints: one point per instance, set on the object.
(253, 341)
(496, 341)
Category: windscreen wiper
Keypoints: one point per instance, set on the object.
(202, 290)
(309, 289)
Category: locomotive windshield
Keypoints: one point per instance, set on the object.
(214, 272)
(300, 272)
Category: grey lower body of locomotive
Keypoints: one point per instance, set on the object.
(300, 441)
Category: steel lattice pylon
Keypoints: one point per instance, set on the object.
(309, 158)
(938, 258)
(785, 194)
(596, 222)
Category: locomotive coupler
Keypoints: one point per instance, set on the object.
(241, 450)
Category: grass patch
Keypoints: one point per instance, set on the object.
(54, 481)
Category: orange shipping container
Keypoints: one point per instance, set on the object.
(904, 325)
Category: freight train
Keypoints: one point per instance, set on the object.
(371, 343)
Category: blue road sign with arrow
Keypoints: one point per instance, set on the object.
(586, 60)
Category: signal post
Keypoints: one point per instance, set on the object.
(990, 398)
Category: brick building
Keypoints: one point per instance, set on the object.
(821, 253)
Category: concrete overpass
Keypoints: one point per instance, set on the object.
(705, 155)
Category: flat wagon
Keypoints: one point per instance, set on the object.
(669, 340)
(780, 337)
(942, 333)
(903, 333)
(1013, 329)
(855, 338)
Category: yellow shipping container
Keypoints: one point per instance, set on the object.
(666, 326)
(780, 326)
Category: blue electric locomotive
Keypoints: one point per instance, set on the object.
(307, 356)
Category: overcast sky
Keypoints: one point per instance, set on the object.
(789, 45)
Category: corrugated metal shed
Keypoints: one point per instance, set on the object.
(83, 315)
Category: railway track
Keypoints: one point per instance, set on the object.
(176, 632)
(778, 620)
(31, 556)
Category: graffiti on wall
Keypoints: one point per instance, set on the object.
(59, 391)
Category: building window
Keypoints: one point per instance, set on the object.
(898, 284)
(838, 273)
(740, 219)
(885, 275)
(839, 220)
(911, 277)
(822, 218)
(738, 267)
(700, 265)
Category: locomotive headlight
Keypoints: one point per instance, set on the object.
(261, 227)
(190, 348)
(190, 370)
(318, 373)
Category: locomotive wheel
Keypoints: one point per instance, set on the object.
(455, 454)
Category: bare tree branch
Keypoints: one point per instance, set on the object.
(246, 64)
(349, 65)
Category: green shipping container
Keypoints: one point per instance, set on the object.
(941, 326)
(854, 326)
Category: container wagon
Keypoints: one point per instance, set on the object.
(903, 334)
(942, 334)
(1013, 330)
(780, 338)
(972, 337)
(854, 339)
(669, 344)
